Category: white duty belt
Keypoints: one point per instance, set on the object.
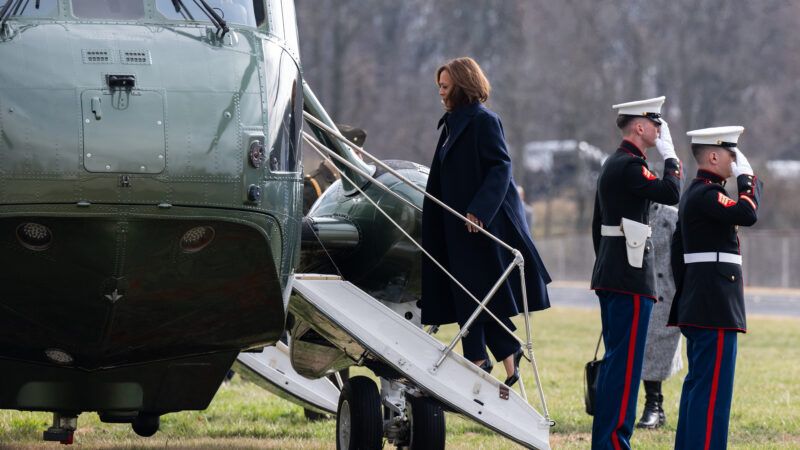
(614, 231)
(635, 234)
(691, 258)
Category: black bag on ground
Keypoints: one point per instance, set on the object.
(592, 370)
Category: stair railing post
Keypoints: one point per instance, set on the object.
(464, 328)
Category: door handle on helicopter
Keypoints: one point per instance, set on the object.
(98, 113)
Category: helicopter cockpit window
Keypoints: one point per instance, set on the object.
(285, 153)
(108, 9)
(249, 13)
(28, 9)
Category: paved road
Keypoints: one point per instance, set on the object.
(773, 302)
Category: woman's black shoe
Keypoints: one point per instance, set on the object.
(487, 366)
(510, 381)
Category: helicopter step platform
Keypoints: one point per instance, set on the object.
(374, 335)
(272, 370)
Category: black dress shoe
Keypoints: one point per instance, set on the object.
(487, 366)
(512, 380)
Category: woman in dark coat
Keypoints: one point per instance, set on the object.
(471, 172)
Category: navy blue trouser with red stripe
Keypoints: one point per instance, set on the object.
(707, 389)
(625, 318)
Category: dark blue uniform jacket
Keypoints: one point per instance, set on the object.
(711, 294)
(625, 188)
(471, 172)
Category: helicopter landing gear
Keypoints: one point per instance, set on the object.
(400, 413)
(358, 419)
(410, 419)
(426, 423)
(145, 424)
(63, 429)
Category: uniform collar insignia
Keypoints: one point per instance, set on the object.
(711, 177)
(629, 147)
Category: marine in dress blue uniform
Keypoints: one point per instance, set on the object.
(623, 275)
(709, 303)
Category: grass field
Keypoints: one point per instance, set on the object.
(765, 411)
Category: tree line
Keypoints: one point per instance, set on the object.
(557, 67)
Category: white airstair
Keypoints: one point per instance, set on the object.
(334, 324)
(391, 340)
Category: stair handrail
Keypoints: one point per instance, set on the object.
(518, 258)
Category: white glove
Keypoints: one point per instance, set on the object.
(741, 166)
(664, 142)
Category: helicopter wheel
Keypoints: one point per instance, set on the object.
(146, 425)
(358, 420)
(427, 423)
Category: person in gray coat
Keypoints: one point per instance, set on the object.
(662, 353)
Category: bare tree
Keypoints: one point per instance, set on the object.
(557, 67)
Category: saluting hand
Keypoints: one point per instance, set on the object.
(741, 166)
(470, 227)
(664, 142)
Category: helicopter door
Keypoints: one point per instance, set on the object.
(123, 131)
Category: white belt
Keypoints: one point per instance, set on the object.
(690, 258)
(615, 230)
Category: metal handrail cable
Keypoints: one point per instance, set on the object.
(314, 143)
(518, 258)
(316, 122)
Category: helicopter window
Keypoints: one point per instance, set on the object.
(108, 9)
(241, 12)
(29, 9)
(285, 153)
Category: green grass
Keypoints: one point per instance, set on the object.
(765, 414)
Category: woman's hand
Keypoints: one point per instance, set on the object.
(470, 227)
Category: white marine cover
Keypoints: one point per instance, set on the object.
(716, 135)
(640, 107)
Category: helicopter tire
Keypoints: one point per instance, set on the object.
(427, 423)
(359, 425)
(146, 425)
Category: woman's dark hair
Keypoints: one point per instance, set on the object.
(469, 83)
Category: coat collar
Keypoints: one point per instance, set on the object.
(456, 121)
(710, 177)
(629, 147)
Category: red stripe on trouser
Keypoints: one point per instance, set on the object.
(628, 372)
(714, 387)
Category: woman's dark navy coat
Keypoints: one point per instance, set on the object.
(471, 172)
